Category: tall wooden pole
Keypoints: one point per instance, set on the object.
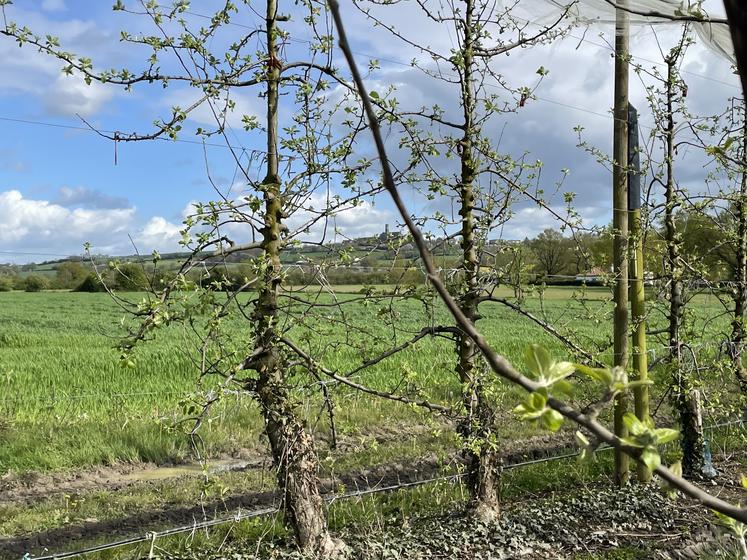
(736, 11)
(620, 225)
(637, 287)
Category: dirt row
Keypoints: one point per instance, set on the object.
(75, 535)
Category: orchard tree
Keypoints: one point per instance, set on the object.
(720, 225)
(295, 183)
(548, 378)
(667, 98)
(451, 154)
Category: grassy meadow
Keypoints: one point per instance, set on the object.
(67, 403)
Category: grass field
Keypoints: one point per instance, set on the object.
(66, 403)
(68, 408)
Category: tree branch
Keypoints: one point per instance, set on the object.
(496, 362)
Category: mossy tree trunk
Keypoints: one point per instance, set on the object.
(688, 399)
(477, 428)
(738, 331)
(291, 444)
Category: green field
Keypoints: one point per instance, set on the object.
(68, 408)
(66, 403)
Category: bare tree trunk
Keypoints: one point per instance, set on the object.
(687, 398)
(477, 429)
(291, 445)
(738, 334)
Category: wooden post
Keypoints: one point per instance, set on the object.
(620, 226)
(736, 11)
(637, 288)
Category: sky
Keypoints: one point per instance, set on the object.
(62, 185)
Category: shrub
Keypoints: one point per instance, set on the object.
(130, 277)
(90, 283)
(70, 274)
(36, 283)
(6, 283)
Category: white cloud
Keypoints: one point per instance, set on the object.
(40, 223)
(159, 233)
(349, 221)
(54, 6)
(69, 96)
(90, 198)
(207, 112)
(29, 225)
(29, 72)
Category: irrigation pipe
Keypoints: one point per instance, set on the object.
(154, 535)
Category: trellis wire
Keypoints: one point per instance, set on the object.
(153, 535)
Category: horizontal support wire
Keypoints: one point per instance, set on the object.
(239, 516)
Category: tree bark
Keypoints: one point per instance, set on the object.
(478, 427)
(291, 445)
(687, 397)
(738, 334)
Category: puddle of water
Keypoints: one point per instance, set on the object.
(163, 473)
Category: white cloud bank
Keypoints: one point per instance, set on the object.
(33, 229)
(29, 72)
(29, 225)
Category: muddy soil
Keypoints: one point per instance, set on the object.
(32, 487)
(391, 474)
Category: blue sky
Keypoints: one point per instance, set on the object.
(60, 187)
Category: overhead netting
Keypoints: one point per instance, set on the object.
(714, 35)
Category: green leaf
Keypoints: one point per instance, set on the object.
(552, 420)
(560, 370)
(650, 458)
(635, 426)
(631, 442)
(537, 359)
(538, 401)
(725, 520)
(603, 375)
(676, 470)
(665, 435)
(639, 383)
(563, 387)
(532, 408)
(581, 439)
